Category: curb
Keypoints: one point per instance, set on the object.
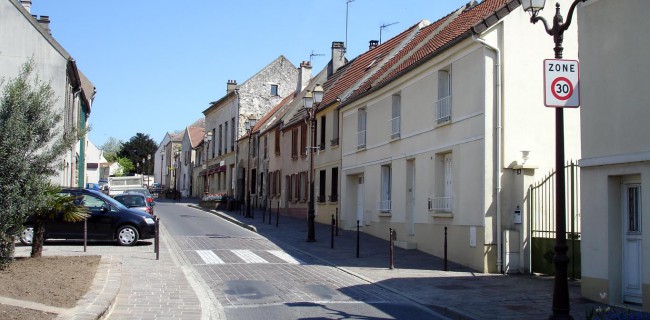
(101, 296)
(226, 217)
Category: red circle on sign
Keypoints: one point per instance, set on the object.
(569, 84)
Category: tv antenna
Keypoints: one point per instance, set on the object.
(347, 6)
(384, 26)
(312, 54)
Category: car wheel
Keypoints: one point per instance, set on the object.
(27, 236)
(127, 236)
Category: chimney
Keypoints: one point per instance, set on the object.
(304, 75)
(27, 4)
(45, 23)
(231, 86)
(373, 44)
(338, 58)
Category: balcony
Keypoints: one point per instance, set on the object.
(384, 205)
(334, 198)
(440, 204)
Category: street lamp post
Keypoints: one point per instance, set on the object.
(250, 124)
(561, 307)
(207, 138)
(312, 100)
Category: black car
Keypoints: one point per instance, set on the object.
(108, 220)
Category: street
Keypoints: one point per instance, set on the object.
(249, 276)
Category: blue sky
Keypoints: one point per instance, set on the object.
(157, 64)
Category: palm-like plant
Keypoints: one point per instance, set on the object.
(55, 204)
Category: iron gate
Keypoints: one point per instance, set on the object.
(541, 209)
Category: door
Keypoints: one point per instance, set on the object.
(410, 196)
(632, 240)
(360, 201)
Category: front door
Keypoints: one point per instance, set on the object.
(632, 242)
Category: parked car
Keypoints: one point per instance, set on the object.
(142, 191)
(93, 186)
(134, 200)
(108, 220)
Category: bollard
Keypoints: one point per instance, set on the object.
(392, 235)
(446, 249)
(357, 238)
(85, 233)
(333, 222)
(277, 216)
(337, 222)
(157, 245)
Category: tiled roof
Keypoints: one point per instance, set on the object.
(421, 42)
(196, 135)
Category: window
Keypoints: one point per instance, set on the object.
(232, 134)
(384, 203)
(274, 90)
(294, 143)
(304, 185)
(444, 183)
(334, 195)
(213, 142)
(443, 104)
(253, 185)
(361, 128)
(323, 121)
(220, 139)
(289, 188)
(225, 138)
(278, 188)
(395, 119)
(266, 146)
(296, 187)
(303, 140)
(321, 185)
(335, 128)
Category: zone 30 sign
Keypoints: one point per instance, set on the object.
(561, 83)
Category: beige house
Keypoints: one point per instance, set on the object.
(443, 128)
(615, 164)
(225, 120)
(24, 37)
(192, 138)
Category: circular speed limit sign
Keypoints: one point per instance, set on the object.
(561, 83)
(562, 88)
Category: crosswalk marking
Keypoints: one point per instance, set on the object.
(249, 256)
(209, 257)
(284, 256)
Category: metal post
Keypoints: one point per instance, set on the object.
(357, 238)
(573, 214)
(277, 216)
(311, 216)
(337, 222)
(157, 239)
(391, 235)
(333, 223)
(445, 266)
(85, 233)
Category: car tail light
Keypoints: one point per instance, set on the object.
(149, 210)
(149, 199)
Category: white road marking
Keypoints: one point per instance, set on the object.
(248, 256)
(284, 256)
(209, 257)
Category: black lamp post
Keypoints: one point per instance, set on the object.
(207, 138)
(561, 308)
(311, 101)
(162, 156)
(250, 124)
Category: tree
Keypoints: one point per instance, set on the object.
(137, 149)
(32, 142)
(111, 149)
(68, 206)
(125, 166)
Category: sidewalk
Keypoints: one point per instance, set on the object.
(458, 293)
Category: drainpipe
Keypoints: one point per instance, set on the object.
(497, 148)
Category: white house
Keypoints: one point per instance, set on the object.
(615, 164)
(94, 162)
(444, 128)
(24, 37)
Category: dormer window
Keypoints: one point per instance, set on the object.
(274, 90)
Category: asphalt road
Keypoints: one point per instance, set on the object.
(250, 277)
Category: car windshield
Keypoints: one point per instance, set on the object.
(140, 191)
(131, 200)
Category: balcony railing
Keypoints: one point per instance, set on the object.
(443, 110)
(334, 198)
(361, 139)
(321, 198)
(442, 204)
(334, 142)
(384, 205)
